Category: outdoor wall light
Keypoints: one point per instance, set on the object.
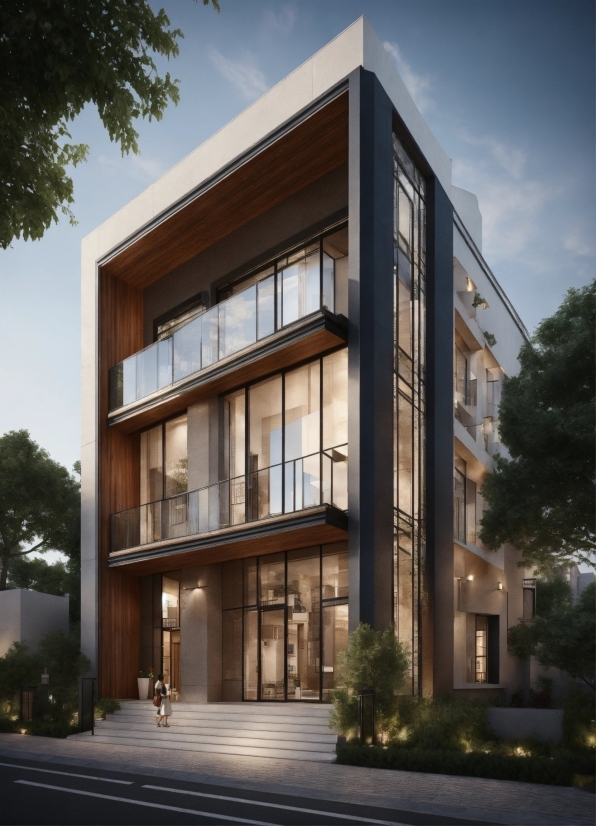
(469, 578)
(45, 677)
(499, 586)
(196, 587)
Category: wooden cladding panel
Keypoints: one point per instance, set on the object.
(310, 346)
(307, 152)
(255, 546)
(121, 328)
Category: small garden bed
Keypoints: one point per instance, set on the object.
(562, 769)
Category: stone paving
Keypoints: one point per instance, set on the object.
(498, 801)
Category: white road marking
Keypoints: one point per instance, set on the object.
(277, 806)
(69, 774)
(148, 805)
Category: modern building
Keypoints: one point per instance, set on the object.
(293, 350)
(26, 616)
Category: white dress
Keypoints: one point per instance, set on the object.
(165, 708)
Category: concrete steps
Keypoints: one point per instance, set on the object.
(285, 730)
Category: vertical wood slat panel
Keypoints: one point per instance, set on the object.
(120, 326)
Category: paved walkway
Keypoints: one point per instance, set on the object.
(497, 801)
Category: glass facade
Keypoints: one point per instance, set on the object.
(287, 621)
(248, 310)
(409, 395)
(280, 446)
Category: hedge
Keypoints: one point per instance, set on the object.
(562, 770)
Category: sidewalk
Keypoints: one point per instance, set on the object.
(497, 801)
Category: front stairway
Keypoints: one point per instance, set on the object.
(292, 731)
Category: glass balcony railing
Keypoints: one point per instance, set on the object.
(321, 478)
(303, 286)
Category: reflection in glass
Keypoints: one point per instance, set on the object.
(151, 465)
(251, 654)
(335, 640)
(266, 307)
(237, 322)
(176, 463)
(272, 654)
(250, 581)
(302, 411)
(232, 655)
(335, 399)
(335, 571)
(303, 637)
(187, 349)
(265, 423)
(272, 579)
(300, 282)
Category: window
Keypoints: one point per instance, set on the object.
(164, 460)
(483, 648)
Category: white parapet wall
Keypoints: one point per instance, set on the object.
(527, 723)
(27, 616)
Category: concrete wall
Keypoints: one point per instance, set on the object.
(200, 634)
(527, 723)
(27, 616)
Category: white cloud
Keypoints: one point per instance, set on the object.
(417, 85)
(575, 241)
(512, 213)
(282, 20)
(510, 159)
(243, 74)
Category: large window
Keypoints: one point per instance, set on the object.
(291, 612)
(276, 446)
(249, 309)
(409, 394)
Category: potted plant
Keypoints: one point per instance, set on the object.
(144, 680)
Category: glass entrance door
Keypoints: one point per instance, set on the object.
(273, 666)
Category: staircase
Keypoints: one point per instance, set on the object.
(294, 731)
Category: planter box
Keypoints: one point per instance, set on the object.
(527, 723)
(143, 683)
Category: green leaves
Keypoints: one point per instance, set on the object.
(563, 637)
(56, 57)
(39, 502)
(541, 500)
(373, 659)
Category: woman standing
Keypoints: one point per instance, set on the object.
(165, 708)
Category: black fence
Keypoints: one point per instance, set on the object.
(87, 698)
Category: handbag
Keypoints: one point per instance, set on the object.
(157, 700)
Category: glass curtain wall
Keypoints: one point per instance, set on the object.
(409, 395)
(291, 612)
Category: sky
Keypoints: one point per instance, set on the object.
(506, 86)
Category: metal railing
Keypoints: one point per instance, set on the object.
(320, 478)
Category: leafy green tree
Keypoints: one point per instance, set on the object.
(541, 500)
(39, 503)
(563, 635)
(372, 659)
(57, 56)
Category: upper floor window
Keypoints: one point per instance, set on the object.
(164, 460)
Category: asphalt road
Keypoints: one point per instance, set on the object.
(58, 795)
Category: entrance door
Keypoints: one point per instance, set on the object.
(273, 643)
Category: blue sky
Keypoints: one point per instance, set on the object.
(507, 87)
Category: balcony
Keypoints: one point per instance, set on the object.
(297, 485)
(284, 301)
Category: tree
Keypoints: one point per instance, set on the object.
(541, 500)
(563, 634)
(57, 56)
(39, 503)
(372, 659)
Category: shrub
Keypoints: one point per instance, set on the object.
(8, 725)
(566, 769)
(448, 723)
(579, 729)
(51, 728)
(372, 659)
(105, 706)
